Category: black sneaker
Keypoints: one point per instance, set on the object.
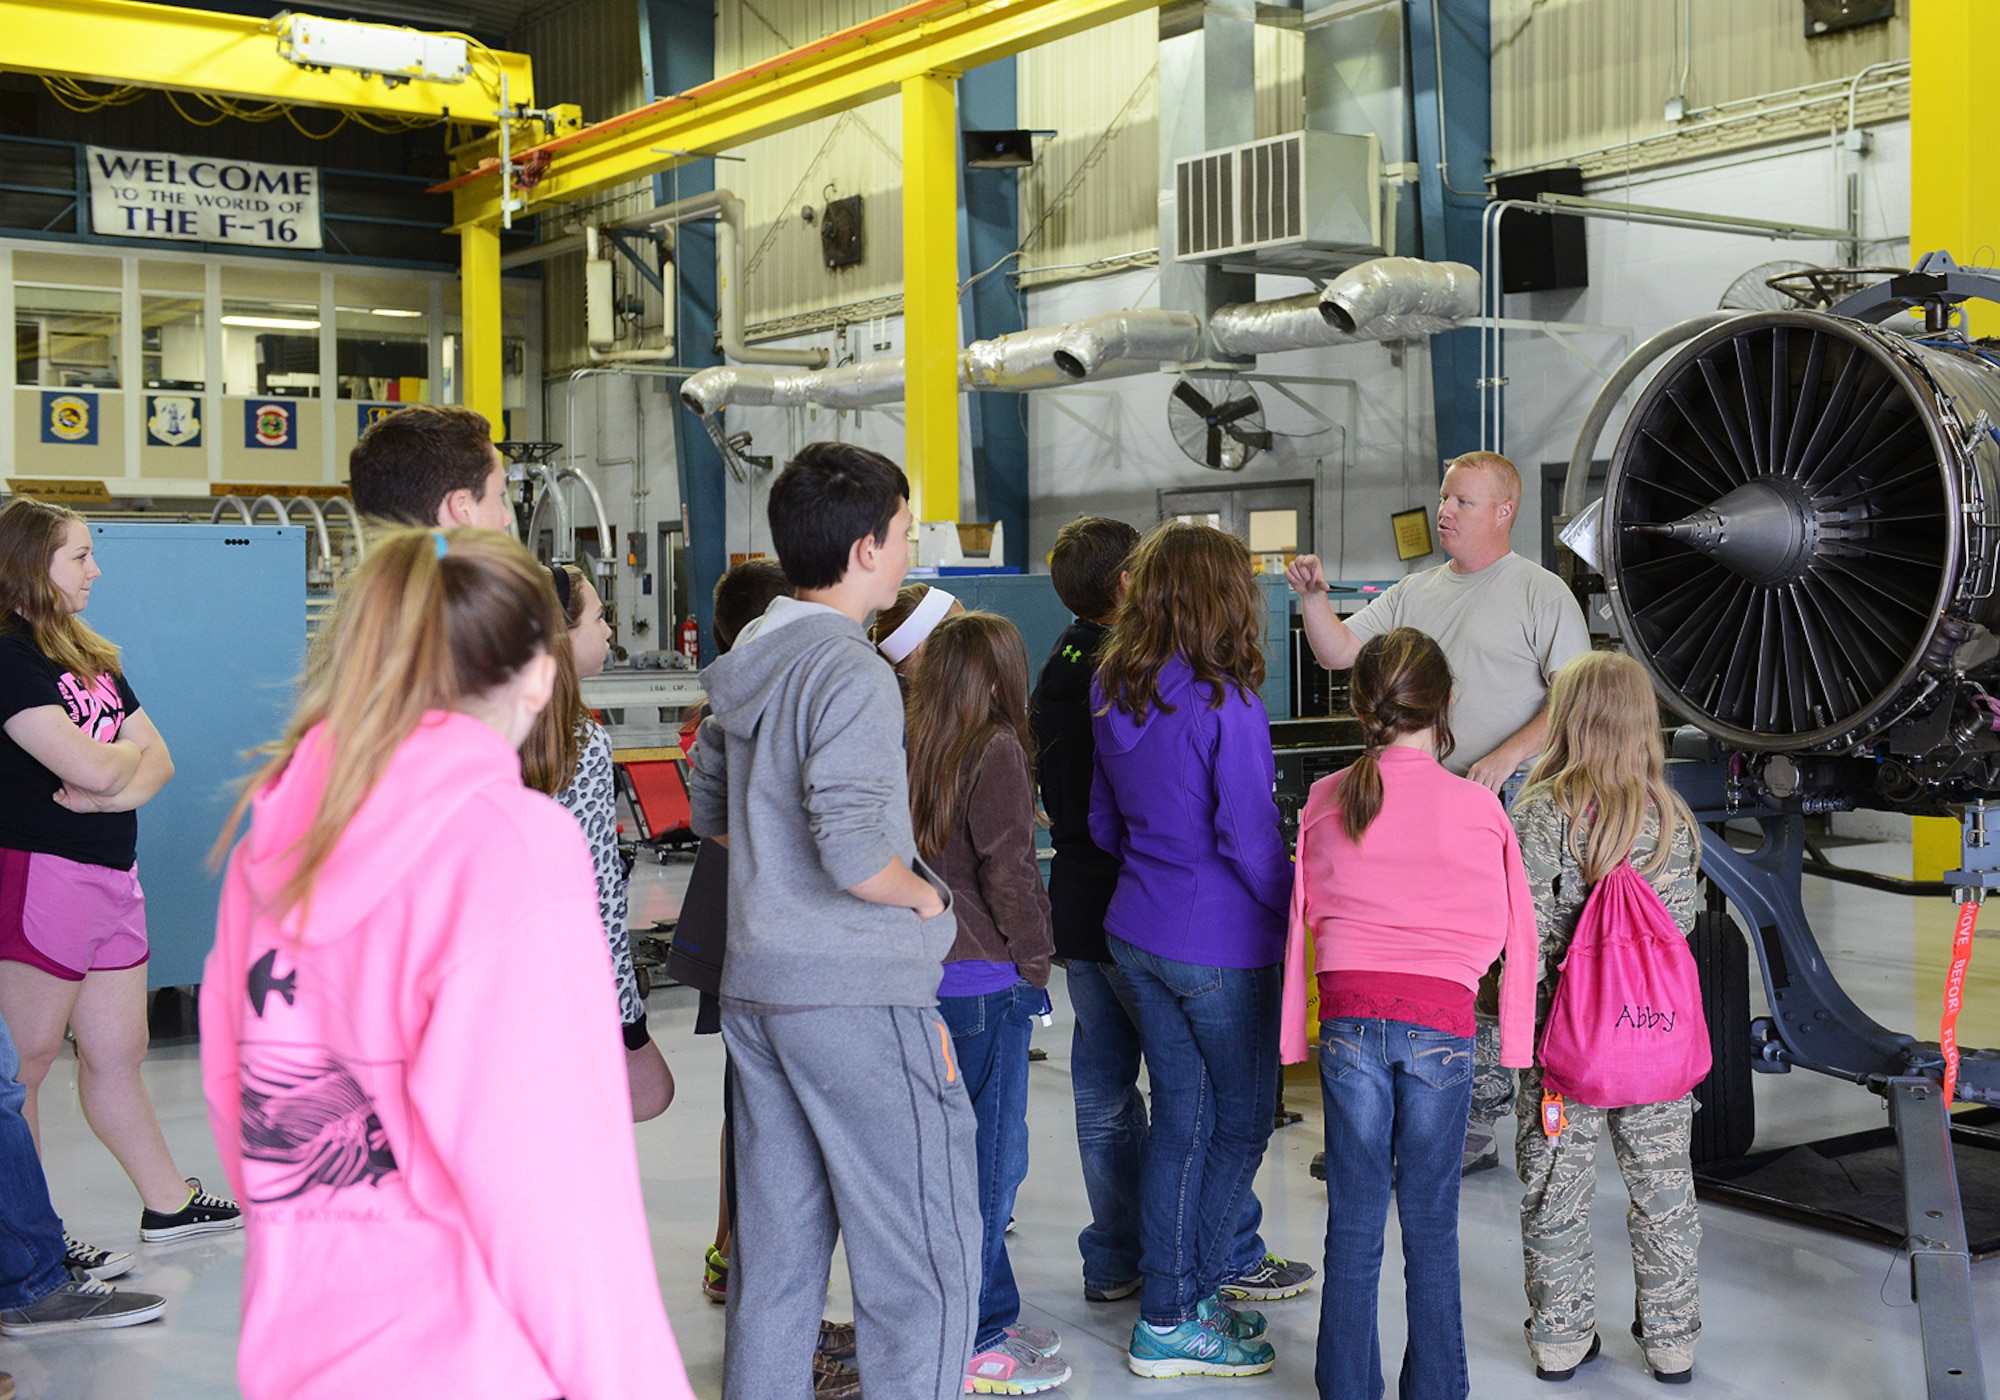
(202, 1215)
(80, 1304)
(82, 1258)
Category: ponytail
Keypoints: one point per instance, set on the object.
(433, 618)
(1401, 684)
(1360, 795)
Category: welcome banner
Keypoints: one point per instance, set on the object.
(200, 199)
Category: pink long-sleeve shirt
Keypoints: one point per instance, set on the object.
(417, 1087)
(1434, 888)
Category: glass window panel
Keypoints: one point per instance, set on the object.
(65, 337)
(270, 348)
(384, 353)
(1273, 530)
(171, 343)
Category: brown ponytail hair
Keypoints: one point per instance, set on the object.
(554, 747)
(972, 686)
(1190, 593)
(1401, 684)
(432, 618)
(32, 533)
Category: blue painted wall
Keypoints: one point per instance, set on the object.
(212, 623)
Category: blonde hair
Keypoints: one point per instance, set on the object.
(555, 745)
(1189, 593)
(32, 533)
(433, 618)
(1503, 471)
(1605, 765)
(972, 686)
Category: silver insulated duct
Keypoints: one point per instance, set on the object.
(1382, 299)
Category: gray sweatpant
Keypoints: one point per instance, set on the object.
(851, 1121)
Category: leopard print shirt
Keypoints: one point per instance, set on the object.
(592, 799)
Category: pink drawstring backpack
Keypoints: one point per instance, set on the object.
(1627, 1025)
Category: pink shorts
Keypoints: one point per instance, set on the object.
(68, 918)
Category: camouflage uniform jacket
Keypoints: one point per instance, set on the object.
(1560, 890)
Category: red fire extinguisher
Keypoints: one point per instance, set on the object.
(691, 641)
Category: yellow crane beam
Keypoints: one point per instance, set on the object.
(1951, 205)
(843, 70)
(919, 51)
(130, 44)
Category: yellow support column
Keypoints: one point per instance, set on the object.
(1951, 205)
(930, 292)
(479, 360)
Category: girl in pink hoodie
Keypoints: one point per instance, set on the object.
(409, 1037)
(1409, 883)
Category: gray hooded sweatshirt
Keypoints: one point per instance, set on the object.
(800, 763)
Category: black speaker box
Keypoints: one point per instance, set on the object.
(1541, 252)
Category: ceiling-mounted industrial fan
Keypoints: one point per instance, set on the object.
(1217, 421)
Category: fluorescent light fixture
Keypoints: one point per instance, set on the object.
(394, 311)
(272, 323)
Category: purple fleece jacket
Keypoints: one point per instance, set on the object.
(1184, 800)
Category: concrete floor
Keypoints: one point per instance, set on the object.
(1788, 1310)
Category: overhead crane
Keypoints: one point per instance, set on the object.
(919, 51)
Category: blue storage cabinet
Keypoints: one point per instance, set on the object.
(211, 620)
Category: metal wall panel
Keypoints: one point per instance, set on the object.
(786, 283)
(586, 52)
(1577, 76)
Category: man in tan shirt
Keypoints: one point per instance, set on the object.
(1506, 625)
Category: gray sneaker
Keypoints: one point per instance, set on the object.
(1275, 1278)
(78, 1305)
(1013, 1368)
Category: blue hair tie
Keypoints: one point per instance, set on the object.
(442, 543)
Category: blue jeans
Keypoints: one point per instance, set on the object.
(1111, 1130)
(989, 1035)
(1210, 1036)
(1396, 1099)
(31, 1242)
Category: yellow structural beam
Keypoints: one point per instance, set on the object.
(1952, 205)
(930, 292)
(129, 44)
(479, 378)
(844, 70)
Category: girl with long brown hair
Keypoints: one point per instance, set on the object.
(1182, 796)
(1599, 797)
(568, 756)
(972, 807)
(408, 1038)
(1408, 885)
(78, 758)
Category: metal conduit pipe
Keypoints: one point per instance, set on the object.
(353, 527)
(551, 481)
(318, 518)
(215, 516)
(1576, 481)
(1084, 347)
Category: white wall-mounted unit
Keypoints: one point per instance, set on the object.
(1307, 201)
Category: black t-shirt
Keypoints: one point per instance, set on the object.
(1081, 877)
(30, 819)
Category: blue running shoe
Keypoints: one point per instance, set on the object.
(1195, 1348)
(1239, 1324)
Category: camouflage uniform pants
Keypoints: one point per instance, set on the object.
(1492, 1085)
(1651, 1144)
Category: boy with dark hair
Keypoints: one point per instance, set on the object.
(430, 464)
(743, 593)
(1087, 567)
(848, 1109)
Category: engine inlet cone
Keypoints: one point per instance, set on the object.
(1763, 531)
